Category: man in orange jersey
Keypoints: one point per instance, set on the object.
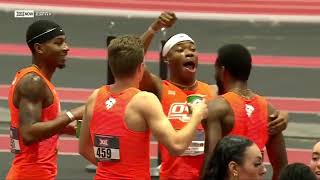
(35, 107)
(115, 132)
(240, 111)
(181, 55)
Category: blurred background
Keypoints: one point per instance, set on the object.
(283, 36)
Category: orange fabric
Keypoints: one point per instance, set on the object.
(250, 118)
(39, 160)
(174, 105)
(108, 121)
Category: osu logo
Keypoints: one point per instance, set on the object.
(179, 111)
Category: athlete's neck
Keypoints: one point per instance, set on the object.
(185, 86)
(123, 84)
(45, 70)
(240, 88)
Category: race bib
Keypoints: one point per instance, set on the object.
(14, 140)
(197, 146)
(106, 148)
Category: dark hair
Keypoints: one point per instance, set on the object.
(125, 54)
(42, 31)
(236, 59)
(230, 148)
(297, 171)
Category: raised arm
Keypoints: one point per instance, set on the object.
(85, 141)
(148, 106)
(31, 92)
(217, 110)
(276, 150)
(150, 82)
(165, 20)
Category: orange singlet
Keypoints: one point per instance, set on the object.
(250, 118)
(39, 160)
(188, 165)
(121, 153)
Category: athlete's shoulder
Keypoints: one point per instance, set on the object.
(144, 95)
(260, 97)
(32, 82)
(218, 102)
(31, 86)
(210, 90)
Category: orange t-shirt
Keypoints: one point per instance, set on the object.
(39, 160)
(188, 165)
(250, 118)
(121, 153)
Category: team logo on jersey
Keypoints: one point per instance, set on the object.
(179, 111)
(110, 102)
(249, 110)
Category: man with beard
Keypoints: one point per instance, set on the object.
(181, 56)
(35, 107)
(241, 112)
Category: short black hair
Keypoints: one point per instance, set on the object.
(229, 148)
(236, 59)
(41, 31)
(125, 54)
(297, 171)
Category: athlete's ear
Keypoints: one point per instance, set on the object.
(141, 68)
(221, 72)
(38, 48)
(233, 169)
(140, 71)
(165, 59)
(225, 73)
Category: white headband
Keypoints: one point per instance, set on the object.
(173, 41)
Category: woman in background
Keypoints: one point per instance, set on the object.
(236, 158)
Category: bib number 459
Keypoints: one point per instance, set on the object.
(103, 152)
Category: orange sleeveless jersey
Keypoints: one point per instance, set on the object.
(121, 153)
(188, 165)
(39, 160)
(250, 118)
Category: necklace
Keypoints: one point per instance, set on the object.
(184, 87)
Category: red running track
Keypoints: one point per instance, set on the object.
(297, 105)
(204, 58)
(271, 7)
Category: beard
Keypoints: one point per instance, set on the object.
(61, 66)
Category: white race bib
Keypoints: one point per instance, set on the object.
(14, 140)
(197, 145)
